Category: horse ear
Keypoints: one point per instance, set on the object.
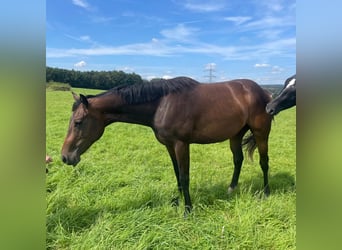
(84, 100)
(75, 96)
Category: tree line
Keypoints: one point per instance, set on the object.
(92, 79)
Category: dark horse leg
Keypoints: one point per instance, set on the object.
(236, 148)
(183, 160)
(262, 144)
(171, 150)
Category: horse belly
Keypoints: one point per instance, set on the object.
(201, 127)
(198, 118)
(216, 130)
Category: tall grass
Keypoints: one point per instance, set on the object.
(119, 195)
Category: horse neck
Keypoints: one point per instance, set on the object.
(116, 110)
(142, 114)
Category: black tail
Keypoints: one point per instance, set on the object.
(250, 144)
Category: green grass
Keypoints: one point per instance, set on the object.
(119, 195)
(57, 86)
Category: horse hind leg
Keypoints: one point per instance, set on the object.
(264, 166)
(236, 148)
(262, 144)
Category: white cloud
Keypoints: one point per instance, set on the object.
(126, 69)
(282, 47)
(80, 64)
(238, 19)
(211, 66)
(81, 3)
(274, 5)
(277, 70)
(167, 77)
(85, 38)
(271, 22)
(204, 5)
(179, 33)
(271, 34)
(150, 77)
(261, 65)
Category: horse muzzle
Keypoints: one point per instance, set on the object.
(270, 109)
(71, 159)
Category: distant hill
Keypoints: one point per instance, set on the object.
(273, 88)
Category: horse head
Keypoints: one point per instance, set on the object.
(85, 127)
(286, 99)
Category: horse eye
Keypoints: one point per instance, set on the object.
(78, 123)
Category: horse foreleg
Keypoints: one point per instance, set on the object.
(236, 148)
(183, 160)
(171, 150)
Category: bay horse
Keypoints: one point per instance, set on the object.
(286, 98)
(180, 111)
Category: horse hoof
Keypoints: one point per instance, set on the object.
(267, 192)
(187, 212)
(230, 190)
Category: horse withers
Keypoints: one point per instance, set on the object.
(180, 111)
(286, 98)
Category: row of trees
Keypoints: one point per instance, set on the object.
(91, 79)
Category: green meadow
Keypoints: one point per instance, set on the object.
(119, 195)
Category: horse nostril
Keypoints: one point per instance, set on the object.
(269, 110)
(64, 159)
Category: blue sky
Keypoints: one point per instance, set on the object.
(253, 39)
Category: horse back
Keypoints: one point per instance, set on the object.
(210, 112)
(242, 93)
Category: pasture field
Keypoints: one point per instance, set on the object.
(119, 195)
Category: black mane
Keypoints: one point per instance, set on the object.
(151, 91)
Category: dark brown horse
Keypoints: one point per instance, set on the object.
(180, 111)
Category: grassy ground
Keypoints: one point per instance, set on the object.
(118, 196)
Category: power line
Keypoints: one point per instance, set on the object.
(210, 67)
